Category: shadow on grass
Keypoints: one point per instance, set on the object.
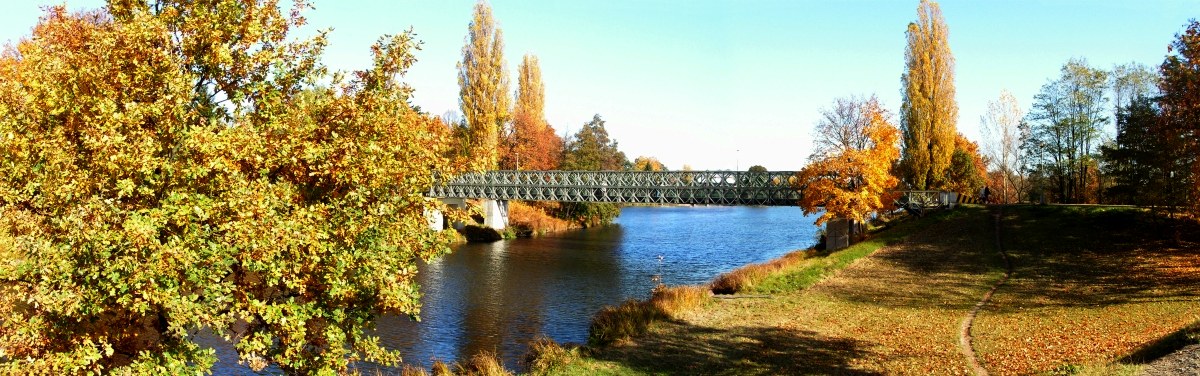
(1086, 256)
(1167, 344)
(741, 350)
(947, 264)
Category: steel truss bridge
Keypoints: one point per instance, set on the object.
(774, 188)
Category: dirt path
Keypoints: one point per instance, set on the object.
(965, 339)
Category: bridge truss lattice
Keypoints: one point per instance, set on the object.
(774, 188)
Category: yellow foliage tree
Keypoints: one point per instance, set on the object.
(644, 163)
(929, 111)
(483, 89)
(853, 183)
(531, 143)
(167, 166)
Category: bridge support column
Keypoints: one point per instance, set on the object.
(435, 219)
(495, 214)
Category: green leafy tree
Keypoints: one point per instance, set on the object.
(1137, 163)
(929, 111)
(483, 89)
(591, 149)
(1063, 128)
(169, 166)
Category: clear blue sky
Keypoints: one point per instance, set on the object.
(719, 84)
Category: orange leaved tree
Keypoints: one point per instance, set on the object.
(853, 182)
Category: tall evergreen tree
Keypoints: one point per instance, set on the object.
(929, 112)
(592, 150)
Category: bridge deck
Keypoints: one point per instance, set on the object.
(775, 188)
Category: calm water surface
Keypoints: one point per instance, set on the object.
(499, 296)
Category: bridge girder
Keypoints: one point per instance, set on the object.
(773, 188)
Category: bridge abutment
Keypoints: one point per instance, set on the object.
(495, 214)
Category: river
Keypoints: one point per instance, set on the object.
(499, 296)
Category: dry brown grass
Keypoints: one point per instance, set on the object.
(534, 218)
(483, 364)
(633, 317)
(440, 368)
(744, 279)
(546, 357)
(409, 370)
(675, 300)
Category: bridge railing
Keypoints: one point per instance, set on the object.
(646, 187)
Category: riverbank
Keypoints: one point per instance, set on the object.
(1092, 291)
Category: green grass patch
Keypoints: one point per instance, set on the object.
(802, 275)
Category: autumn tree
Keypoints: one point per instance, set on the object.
(644, 163)
(853, 183)
(842, 125)
(169, 166)
(968, 172)
(483, 89)
(1180, 88)
(1063, 128)
(591, 149)
(928, 112)
(530, 143)
(1002, 145)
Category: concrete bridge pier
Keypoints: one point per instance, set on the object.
(495, 214)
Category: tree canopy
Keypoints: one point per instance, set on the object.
(1062, 130)
(169, 166)
(590, 149)
(530, 143)
(855, 182)
(929, 112)
(1180, 88)
(483, 89)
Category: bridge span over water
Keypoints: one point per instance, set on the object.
(496, 188)
(772, 188)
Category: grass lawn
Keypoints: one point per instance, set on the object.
(1090, 286)
(1087, 289)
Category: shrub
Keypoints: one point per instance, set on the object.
(484, 363)
(548, 357)
(633, 317)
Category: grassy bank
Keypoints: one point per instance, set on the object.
(790, 323)
(1093, 292)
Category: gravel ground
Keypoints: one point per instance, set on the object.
(1186, 361)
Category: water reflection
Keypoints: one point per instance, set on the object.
(497, 297)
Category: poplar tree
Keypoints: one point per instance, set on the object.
(483, 89)
(929, 111)
(531, 143)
